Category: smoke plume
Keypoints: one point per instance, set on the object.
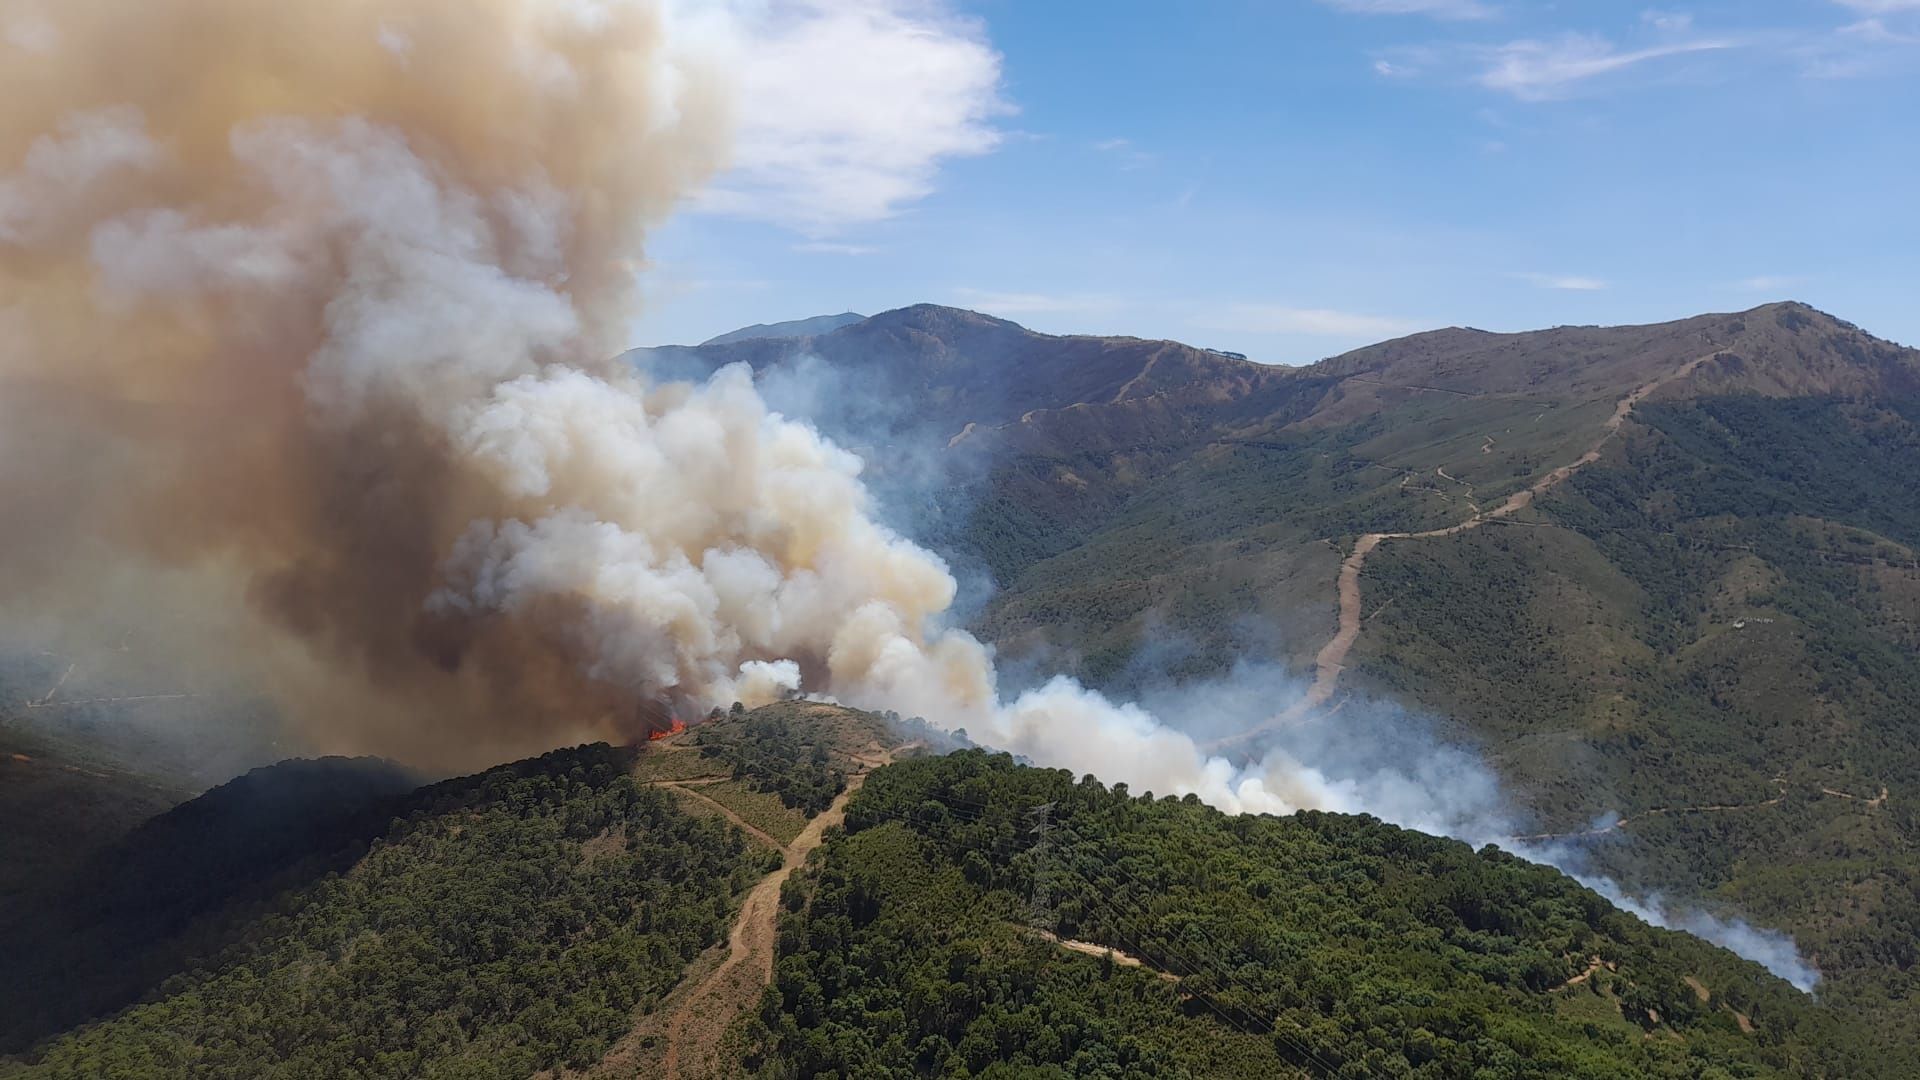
(307, 314)
(275, 277)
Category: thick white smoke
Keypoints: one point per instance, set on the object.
(765, 545)
(1374, 758)
(316, 303)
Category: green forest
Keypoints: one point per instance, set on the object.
(496, 926)
(1721, 615)
(1319, 944)
(975, 917)
(775, 755)
(1723, 610)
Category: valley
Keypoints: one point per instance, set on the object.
(1677, 620)
(1681, 581)
(911, 539)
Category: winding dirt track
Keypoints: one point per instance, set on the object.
(695, 1031)
(1331, 660)
(1873, 803)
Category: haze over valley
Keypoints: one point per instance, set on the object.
(403, 675)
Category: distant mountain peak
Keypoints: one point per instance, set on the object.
(941, 315)
(792, 328)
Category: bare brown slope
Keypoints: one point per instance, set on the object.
(1332, 657)
(984, 382)
(1780, 350)
(1110, 524)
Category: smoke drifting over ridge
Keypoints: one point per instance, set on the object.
(308, 315)
(306, 318)
(308, 312)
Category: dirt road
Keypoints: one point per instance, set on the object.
(1710, 808)
(695, 1031)
(1088, 948)
(1331, 660)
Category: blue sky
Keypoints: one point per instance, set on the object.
(1293, 178)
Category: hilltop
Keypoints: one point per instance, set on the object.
(335, 917)
(1655, 575)
(792, 328)
(617, 912)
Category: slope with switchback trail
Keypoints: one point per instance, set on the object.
(1332, 657)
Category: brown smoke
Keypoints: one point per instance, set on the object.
(303, 331)
(304, 311)
(254, 259)
(304, 321)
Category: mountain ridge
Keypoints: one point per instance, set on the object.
(591, 890)
(1712, 591)
(791, 328)
(1698, 630)
(971, 368)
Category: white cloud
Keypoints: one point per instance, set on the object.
(1880, 7)
(1877, 31)
(829, 247)
(1439, 9)
(1026, 303)
(1536, 70)
(1871, 46)
(1567, 282)
(847, 108)
(1314, 322)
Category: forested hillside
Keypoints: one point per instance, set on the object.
(1721, 614)
(56, 814)
(568, 913)
(1665, 579)
(1316, 945)
(494, 925)
(1692, 652)
(557, 914)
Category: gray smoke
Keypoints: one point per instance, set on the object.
(305, 333)
(1377, 758)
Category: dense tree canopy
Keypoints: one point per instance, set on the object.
(501, 924)
(1323, 944)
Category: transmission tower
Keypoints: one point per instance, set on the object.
(1039, 912)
